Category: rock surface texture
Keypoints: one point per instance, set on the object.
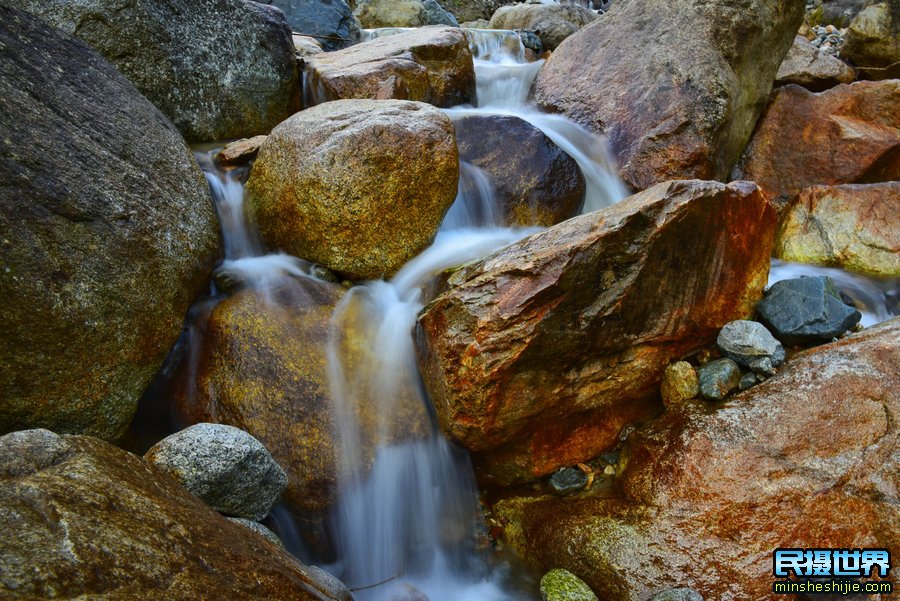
(807, 66)
(107, 233)
(373, 14)
(330, 22)
(873, 40)
(806, 310)
(553, 22)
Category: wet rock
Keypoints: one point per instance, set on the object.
(563, 585)
(806, 310)
(124, 529)
(708, 89)
(258, 529)
(718, 378)
(748, 380)
(373, 14)
(678, 594)
(536, 356)
(706, 495)
(751, 345)
(873, 40)
(810, 67)
(535, 182)
(248, 82)
(330, 22)
(552, 22)
(328, 584)
(848, 134)
(568, 480)
(226, 467)
(855, 227)
(359, 186)
(433, 64)
(679, 383)
(305, 45)
(101, 254)
(240, 151)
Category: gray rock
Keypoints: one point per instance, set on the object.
(678, 594)
(437, 15)
(373, 14)
(718, 378)
(748, 380)
(332, 587)
(223, 69)
(107, 234)
(226, 467)
(810, 67)
(806, 310)
(259, 529)
(330, 22)
(751, 345)
(30, 451)
(568, 480)
(563, 585)
(873, 40)
(531, 40)
(553, 22)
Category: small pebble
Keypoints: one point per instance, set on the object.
(568, 480)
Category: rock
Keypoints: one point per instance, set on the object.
(535, 182)
(93, 521)
(835, 12)
(808, 66)
(305, 45)
(359, 186)
(248, 82)
(848, 134)
(107, 233)
(806, 310)
(476, 24)
(240, 151)
(678, 594)
(536, 356)
(552, 22)
(373, 14)
(748, 380)
(467, 11)
(330, 22)
(873, 40)
(563, 585)
(430, 64)
(854, 227)
(226, 467)
(706, 496)
(669, 83)
(258, 529)
(328, 584)
(531, 40)
(568, 480)
(751, 345)
(718, 378)
(679, 383)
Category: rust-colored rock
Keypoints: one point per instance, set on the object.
(805, 459)
(432, 64)
(84, 519)
(855, 227)
(240, 151)
(537, 356)
(848, 134)
(677, 85)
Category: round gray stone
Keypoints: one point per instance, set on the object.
(751, 345)
(718, 378)
(568, 480)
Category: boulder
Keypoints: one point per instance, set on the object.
(535, 182)
(468, 11)
(833, 12)
(84, 519)
(718, 378)
(429, 64)
(677, 86)
(848, 134)
(807, 459)
(258, 529)
(218, 70)
(751, 345)
(359, 186)
(330, 22)
(563, 585)
(108, 233)
(536, 356)
(854, 227)
(373, 14)
(873, 40)
(810, 67)
(305, 45)
(552, 22)
(226, 467)
(240, 151)
(806, 310)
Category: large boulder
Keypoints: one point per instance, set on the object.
(848, 134)
(108, 233)
(707, 495)
(373, 14)
(810, 67)
(677, 86)
(833, 12)
(855, 227)
(217, 68)
(552, 22)
(429, 64)
(84, 519)
(359, 186)
(330, 22)
(536, 356)
(873, 40)
(472, 10)
(535, 182)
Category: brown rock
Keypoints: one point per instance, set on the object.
(91, 520)
(807, 66)
(552, 22)
(676, 85)
(536, 183)
(359, 186)
(240, 151)
(538, 355)
(855, 227)
(434, 65)
(805, 459)
(848, 134)
(873, 40)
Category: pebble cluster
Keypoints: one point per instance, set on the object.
(829, 39)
